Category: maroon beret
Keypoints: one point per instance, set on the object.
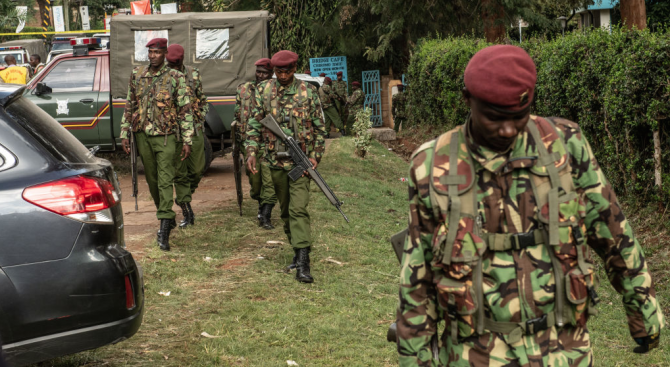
(175, 53)
(157, 43)
(308, 72)
(356, 84)
(502, 75)
(322, 75)
(339, 73)
(284, 58)
(327, 80)
(264, 63)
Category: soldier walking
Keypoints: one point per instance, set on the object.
(330, 112)
(399, 106)
(189, 171)
(502, 209)
(296, 107)
(262, 188)
(158, 115)
(340, 89)
(354, 104)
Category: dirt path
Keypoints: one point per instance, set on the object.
(216, 190)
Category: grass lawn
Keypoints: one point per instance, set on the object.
(226, 280)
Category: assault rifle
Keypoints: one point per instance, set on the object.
(301, 161)
(237, 165)
(133, 165)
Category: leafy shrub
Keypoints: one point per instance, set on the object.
(362, 134)
(616, 86)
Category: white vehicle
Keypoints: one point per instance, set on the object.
(104, 39)
(21, 50)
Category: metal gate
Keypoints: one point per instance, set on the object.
(373, 95)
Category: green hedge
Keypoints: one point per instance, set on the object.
(616, 86)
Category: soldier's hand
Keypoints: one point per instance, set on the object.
(647, 343)
(251, 164)
(126, 145)
(314, 164)
(185, 151)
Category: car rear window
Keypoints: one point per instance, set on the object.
(53, 137)
(17, 55)
(61, 46)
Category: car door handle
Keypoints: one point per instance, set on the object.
(86, 100)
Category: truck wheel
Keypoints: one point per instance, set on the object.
(209, 154)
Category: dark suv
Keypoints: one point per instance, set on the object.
(67, 283)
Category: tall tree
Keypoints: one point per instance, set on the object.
(633, 14)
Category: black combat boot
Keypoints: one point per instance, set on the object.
(191, 215)
(302, 266)
(164, 234)
(266, 215)
(295, 258)
(173, 225)
(260, 213)
(186, 213)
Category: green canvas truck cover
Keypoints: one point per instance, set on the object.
(33, 46)
(224, 46)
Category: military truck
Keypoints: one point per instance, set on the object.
(86, 92)
(22, 49)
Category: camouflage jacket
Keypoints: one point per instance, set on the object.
(356, 101)
(243, 107)
(199, 104)
(158, 104)
(340, 88)
(399, 104)
(326, 96)
(481, 275)
(294, 106)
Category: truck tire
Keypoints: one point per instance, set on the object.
(209, 154)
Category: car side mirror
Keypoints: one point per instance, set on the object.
(41, 89)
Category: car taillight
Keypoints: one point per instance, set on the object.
(83, 198)
(130, 296)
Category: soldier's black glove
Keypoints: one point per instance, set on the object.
(647, 343)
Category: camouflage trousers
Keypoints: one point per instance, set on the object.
(568, 346)
(159, 157)
(261, 187)
(293, 200)
(190, 170)
(332, 118)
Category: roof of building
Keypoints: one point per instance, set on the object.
(603, 4)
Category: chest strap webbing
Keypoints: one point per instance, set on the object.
(452, 181)
(512, 241)
(516, 330)
(547, 160)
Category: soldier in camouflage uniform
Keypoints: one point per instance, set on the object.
(328, 97)
(354, 104)
(189, 171)
(262, 189)
(340, 89)
(398, 107)
(297, 109)
(502, 209)
(158, 114)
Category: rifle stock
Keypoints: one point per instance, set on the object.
(302, 162)
(133, 165)
(237, 166)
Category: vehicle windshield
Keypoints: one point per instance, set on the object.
(61, 46)
(17, 55)
(48, 132)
